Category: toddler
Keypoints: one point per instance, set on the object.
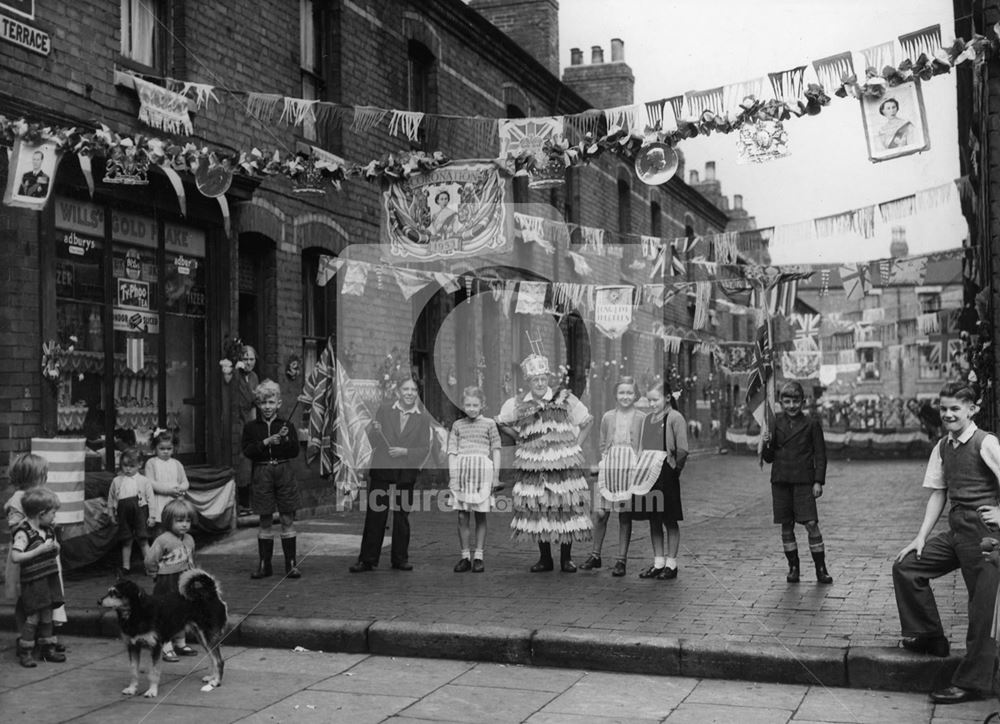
(130, 499)
(165, 473)
(171, 554)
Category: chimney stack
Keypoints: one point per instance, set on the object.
(532, 24)
(710, 170)
(693, 177)
(575, 56)
(737, 201)
(617, 50)
(603, 85)
(596, 54)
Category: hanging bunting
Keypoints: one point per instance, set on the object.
(897, 209)
(406, 123)
(677, 266)
(788, 85)
(824, 282)
(327, 269)
(509, 289)
(801, 364)
(355, 278)
(298, 111)
(830, 71)
(447, 281)
(530, 297)
(926, 40)
(707, 100)
(528, 136)
(531, 228)
(854, 278)
(737, 96)
(873, 315)
(613, 309)
(135, 354)
(677, 108)
(622, 117)
(885, 271)
(654, 293)
(366, 118)
(203, 92)
(583, 124)
(580, 265)
(161, 108)
(909, 271)
(834, 225)
(654, 114)
(929, 323)
(593, 240)
(879, 56)
(932, 198)
(262, 105)
(702, 295)
(724, 247)
(650, 246)
(864, 221)
(410, 282)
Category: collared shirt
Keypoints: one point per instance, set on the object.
(404, 413)
(989, 452)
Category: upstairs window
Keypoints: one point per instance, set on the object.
(421, 85)
(311, 23)
(144, 32)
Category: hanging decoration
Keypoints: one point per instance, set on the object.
(31, 166)
(656, 163)
(854, 277)
(832, 69)
(530, 297)
(355, 278)
(159, 107)
(761, 141)
(531, 231)
(327, 268)
(127, 164)
(895, 122)
(613, 309)
(262, 105)
(580, 265)
(406, 123)
(298, 111)
(920, 42)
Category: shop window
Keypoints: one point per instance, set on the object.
(144, 32)
(929, 361)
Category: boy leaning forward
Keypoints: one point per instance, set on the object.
(964, 468)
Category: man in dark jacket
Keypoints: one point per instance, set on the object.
(400, 438)
(797, 452)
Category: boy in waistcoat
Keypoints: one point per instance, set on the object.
(964, 469)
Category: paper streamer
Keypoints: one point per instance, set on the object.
(830, 71)
(175, 181)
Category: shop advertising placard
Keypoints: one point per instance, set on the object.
(130, 320)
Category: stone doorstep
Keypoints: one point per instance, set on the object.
(866, 667)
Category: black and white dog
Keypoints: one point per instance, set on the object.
(148, 621)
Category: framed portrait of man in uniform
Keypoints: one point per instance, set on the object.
(31, 170)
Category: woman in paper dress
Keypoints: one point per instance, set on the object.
(551, 502)
(895, 132)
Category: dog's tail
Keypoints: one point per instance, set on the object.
(198, 585)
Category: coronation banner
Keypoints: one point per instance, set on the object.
(450, 212)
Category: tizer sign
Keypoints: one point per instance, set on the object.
(18, 33)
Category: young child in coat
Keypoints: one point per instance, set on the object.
(171, 554)
(165, 472)
(35, 549)
(130, 500)
(474, 470)
(963, 469)
(797, 452)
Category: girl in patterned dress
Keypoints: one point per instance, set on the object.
(474, 470)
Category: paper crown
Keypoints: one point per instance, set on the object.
(534, 365)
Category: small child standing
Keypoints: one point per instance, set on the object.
(797, 451)
(130, 500)
(171, 554)
(620, 435)
(165, 473)
(271, 443)
(474, 470)
(35, 549)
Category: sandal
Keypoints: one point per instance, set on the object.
(185, 651)
(170, 657)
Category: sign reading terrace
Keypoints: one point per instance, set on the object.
(18, 33)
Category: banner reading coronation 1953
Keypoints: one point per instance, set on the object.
(452, 212)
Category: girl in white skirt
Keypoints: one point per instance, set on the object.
(474, 470)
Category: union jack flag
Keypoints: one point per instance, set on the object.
(855, 279)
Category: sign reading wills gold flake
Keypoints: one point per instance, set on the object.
(451, 212)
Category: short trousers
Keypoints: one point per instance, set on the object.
(274, 488)
(793, 502)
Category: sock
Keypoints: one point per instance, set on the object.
(465, 553)
(670, 562)
(478, 554)
(658, 562)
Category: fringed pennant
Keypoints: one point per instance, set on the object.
(583, 123)
(854, 277)
(262, 105)
(593, 240)
(532, 228)
(897, 209)
(671, 343)
(788, 84)
(792, 236)
(707, 100)
(622, 117)
(879, 56)
(929, 323)
(298, 111)
(677, 106)
(484, 134)
(654, 113)
(447, 281)
(327, 269)
(162, 108)
(410, 282)
(135, 354)
(355, 278)
(964, 186)
(830, 71)
(406, 123)
(366, 118)
(864, 221)
(203, 93)
(735, 95)
(509, 289)
(724, 247)
(935, 197)
(926, 40)
(833, 225)
(613, 309)
(702, 295)
(580, 265)
(653, 294)
(531, 298)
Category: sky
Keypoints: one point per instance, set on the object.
(675, 46)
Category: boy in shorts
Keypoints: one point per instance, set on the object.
(797, 451)
(271, 444)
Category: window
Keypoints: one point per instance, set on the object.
(929, 361)
(311, 57)
(144, 32)
(868, 358)
(421, 83)
(624, 207)
(319, 310)
(929, 302)
(655, 220)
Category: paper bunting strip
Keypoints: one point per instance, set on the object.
(407, 123)
(724, 247)
(671, 343)
(788, 84)
(623, 117)
(509, 288)
(654, 113)
(355, 278)
(531, 230)
(262, 105)
(530, 297)
(327, 269)
(929, 323)
(926, 40)
(898, 208)
(735, 95)
(366, 118)
(410, 282)
(580, 265)
(162, 108)
(298, 111)
(830, 71)
(583, 123)
(879, 56)
(203, 92)
(593, 240)
(791, 235)
(702, 295)
(932, 198)
(677, 106)
(448, 282)
(708, 100)
(527, 136)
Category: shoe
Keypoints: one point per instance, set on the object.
(24, 655)
(793, 574)
(186, 651)
(170, 657)
(463, 565)
(668, 574)
(955, 695)
(265, 549)
(822, 576)
(651, 572)
(360, 567)
(48, 653)
(403, 566)
(933, 645)
(593, 561)
(478, 566)
(567, 566)
(542, 566)
(619, 569)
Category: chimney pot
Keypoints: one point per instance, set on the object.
(596, 54)
(724, 200)
(737, 201)
(575, 56)
(693, 176)
(710, 170)
(617, 50)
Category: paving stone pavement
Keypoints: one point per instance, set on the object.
(281, 685)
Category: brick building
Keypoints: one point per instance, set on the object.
(75, 267)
